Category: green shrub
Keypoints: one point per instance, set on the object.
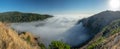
(42, 46)
(58, 45)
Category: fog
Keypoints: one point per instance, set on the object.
(56, 28)
(76, 35)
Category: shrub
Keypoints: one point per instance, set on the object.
(58, 45)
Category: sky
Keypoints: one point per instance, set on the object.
(55, 7)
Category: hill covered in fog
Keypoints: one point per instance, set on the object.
(104, 28)
(21, 17)
(98, 21)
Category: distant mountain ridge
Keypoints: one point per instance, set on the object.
(16, 16)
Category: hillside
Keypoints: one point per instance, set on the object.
(98, 21)
(104, 28)
(108, 38)
(21, 17)
(9, 39)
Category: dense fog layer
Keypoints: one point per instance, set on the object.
(56, 28)
(76, 35)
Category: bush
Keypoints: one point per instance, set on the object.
(42, 46)
(58, 45)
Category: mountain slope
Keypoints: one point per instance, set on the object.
(21, 17)
(101, 26)
(105, 29)
(108, 38)
(98, 21)
(9, 39)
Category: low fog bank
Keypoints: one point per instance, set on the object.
(56, 28)
(76, 35)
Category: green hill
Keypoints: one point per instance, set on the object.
(21, 17)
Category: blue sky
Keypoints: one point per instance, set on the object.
(54, 6)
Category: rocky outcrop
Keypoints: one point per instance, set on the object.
(9, 39)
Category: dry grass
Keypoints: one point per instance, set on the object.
(9, 39)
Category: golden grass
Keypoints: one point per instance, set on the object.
(9, 39)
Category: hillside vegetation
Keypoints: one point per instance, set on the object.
(21, 17)
(59, 45)
(9, 39)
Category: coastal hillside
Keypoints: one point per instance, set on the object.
(21, 17)
(105, 30)
(9, 39)
(108, 38)
(98, 21)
